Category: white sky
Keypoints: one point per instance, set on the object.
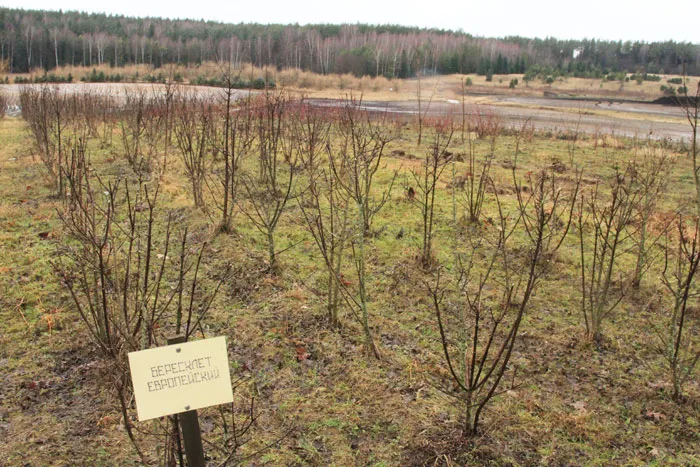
(600, 19)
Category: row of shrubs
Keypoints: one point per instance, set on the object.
(45, 78)
(238, 83)
(671, 91)
(261, 83)
(95, 77)
(640, 77)
(102, 77)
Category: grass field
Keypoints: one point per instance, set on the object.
(320, 399)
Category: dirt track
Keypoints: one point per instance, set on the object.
(631, 119)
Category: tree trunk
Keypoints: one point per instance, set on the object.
(271, 249)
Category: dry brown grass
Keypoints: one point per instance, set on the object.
(439, 88)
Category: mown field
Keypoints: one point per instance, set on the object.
(322, 395)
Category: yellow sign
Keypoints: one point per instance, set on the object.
(180, 377)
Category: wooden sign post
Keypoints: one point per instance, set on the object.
(179, 379)
(189, 425)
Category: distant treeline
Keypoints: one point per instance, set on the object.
(31, 39)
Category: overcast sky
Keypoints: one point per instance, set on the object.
(600, 19)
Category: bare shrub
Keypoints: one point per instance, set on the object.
(323, 204)
(133, 278)
(86, 111)
(271, 191)
(363, 141)
(48, 113)
(691, 107)
(133, 126)
(678, 336)
(194, 127)
(485, 122)
(422, 110)
(604, 233)
(115, 273)
(426, 178)
(145, 122)
(233, 139)
(651, 180)
(479, 315)
(104, 108)
(476, 180)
